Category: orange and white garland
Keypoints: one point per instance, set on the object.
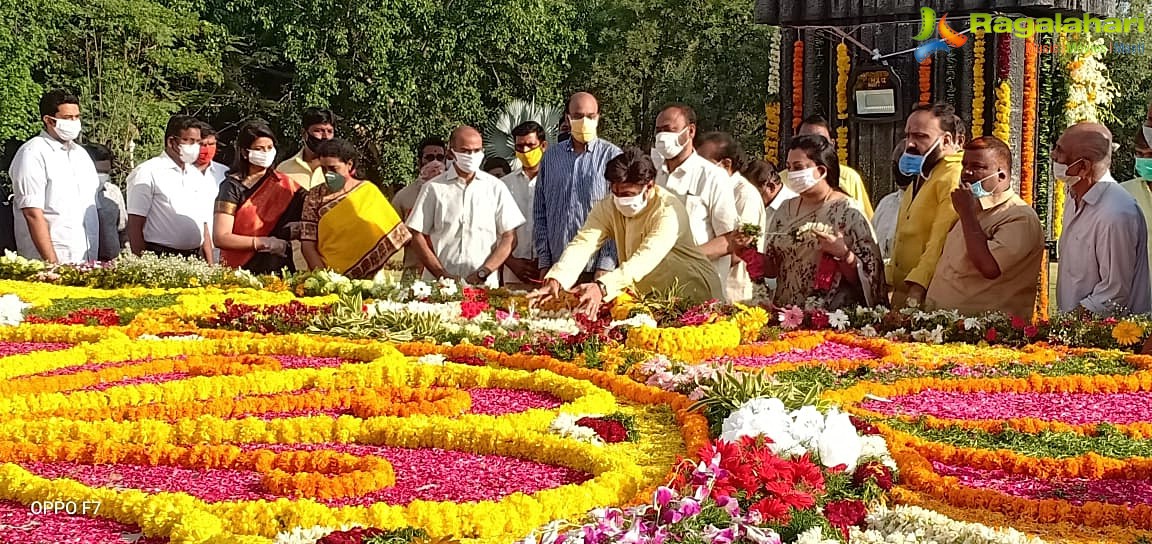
(978, 85)
(843, 63)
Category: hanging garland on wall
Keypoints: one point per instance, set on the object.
(1028, 121)
(1002, 128)
(797, 84)
(1050, 81)
(843, 64)
(926, 81)
(978, 85)
(772, 106)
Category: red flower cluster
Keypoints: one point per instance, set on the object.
(609, 430)
(282, 318)
(353, 536)
(875, 471)
(826, 273)
(863, 426)
(846, 513)
(103, 317)
(771, 485)
(474, 303)
(470, 360)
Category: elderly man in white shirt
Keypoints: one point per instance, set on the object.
(465, 220)
(1103, 265)
(721, 149)
(170, 201)
(55, 187)
(704, 188)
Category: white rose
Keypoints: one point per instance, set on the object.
(807, 425)
(839, 444)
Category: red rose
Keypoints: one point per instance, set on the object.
(1031, 331)
(610, 431)
(846, 513)
(873, 470)
(863, 426)
(1018, 323)
(990, 336)
(819, 319)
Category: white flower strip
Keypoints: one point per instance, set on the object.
(915, 525)
(565, 426)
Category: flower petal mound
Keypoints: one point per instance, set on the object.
(238, 438)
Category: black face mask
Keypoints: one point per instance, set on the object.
(563, 136)
(900, 179)
(313, 142)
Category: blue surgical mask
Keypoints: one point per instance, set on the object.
(1144, 168)
(913, 165)
(977, 187)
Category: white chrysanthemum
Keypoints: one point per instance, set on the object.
(807, 426)
(448, 287)
(12, 310)
(839, 444)
(421, 289)
(639, 320)
(838, 320)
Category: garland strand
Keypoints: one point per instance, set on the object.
(1002, 128)
(926, 81)
(978, 85)
(772, 106)
(843, 63)
(797, 84)
(1028, 121)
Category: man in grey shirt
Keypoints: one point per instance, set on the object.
(109, 205)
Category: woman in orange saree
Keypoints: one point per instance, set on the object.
(258, 208)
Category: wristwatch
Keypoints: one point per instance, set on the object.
(483, 273)
(603, 289)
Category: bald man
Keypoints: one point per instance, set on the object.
(570, 180)
(1103, 266)
(464, 220)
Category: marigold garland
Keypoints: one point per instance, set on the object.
(1002, 128)
(772, 131)
(924, 81)
(843, 64)
(1028, 120)
(797, 84)
(978, 84)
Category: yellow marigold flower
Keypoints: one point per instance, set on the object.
(1127, 333)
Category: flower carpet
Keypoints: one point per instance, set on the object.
(246, 414)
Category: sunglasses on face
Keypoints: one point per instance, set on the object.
(431, 158)
(524, 148)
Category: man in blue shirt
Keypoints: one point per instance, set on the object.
(570, 181)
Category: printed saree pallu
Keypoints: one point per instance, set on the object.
(259, 215)
(358, 232)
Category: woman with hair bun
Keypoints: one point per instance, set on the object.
(651, 230)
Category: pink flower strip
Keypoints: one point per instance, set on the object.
(20, 348)
(823, 352)
(421, 474)
(1076, 491)
(1071, 408)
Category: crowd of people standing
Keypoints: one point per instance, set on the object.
(694, 214)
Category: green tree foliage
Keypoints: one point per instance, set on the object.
(133, 63)
(642, 54)
(396, 70)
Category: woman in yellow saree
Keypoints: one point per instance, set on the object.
(347, 225)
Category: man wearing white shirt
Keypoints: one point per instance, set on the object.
(706, 191)
(54, 188)
(888, 210)
(464, 220)
(1103, 265)
(530, 142)
(721, 149)
(170, 201)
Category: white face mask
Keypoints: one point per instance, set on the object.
(1060, 172)
(67, 129)
(799, 181)
(189, 153)
(104, 178)
(1147, 135)
(263, 159)
(657, 160)
(629, 206)
(668, 144)
(468, 163)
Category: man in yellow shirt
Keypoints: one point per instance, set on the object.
(926, 212)
(850, 180)
(650, 227)
(318, 125)
(1141, 187)
(992, 256)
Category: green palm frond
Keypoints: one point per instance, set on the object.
(498, 138)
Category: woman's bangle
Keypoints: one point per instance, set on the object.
(255, 240)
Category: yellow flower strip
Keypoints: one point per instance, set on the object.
(686, 343)
(42, 294)
(918, 474)
(197, 365)
(316, 474)
(1140, 381)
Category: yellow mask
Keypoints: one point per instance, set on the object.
(531, 158)
(584, 129)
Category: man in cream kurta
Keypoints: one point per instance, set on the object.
(708, 198)
(657, 251)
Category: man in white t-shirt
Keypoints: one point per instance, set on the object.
(54, 188)
(170, 201)
(721, 149)
(464, 220)
(704, 188)
(530, 142)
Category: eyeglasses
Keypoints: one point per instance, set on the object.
(524, 148)
(431, 158)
